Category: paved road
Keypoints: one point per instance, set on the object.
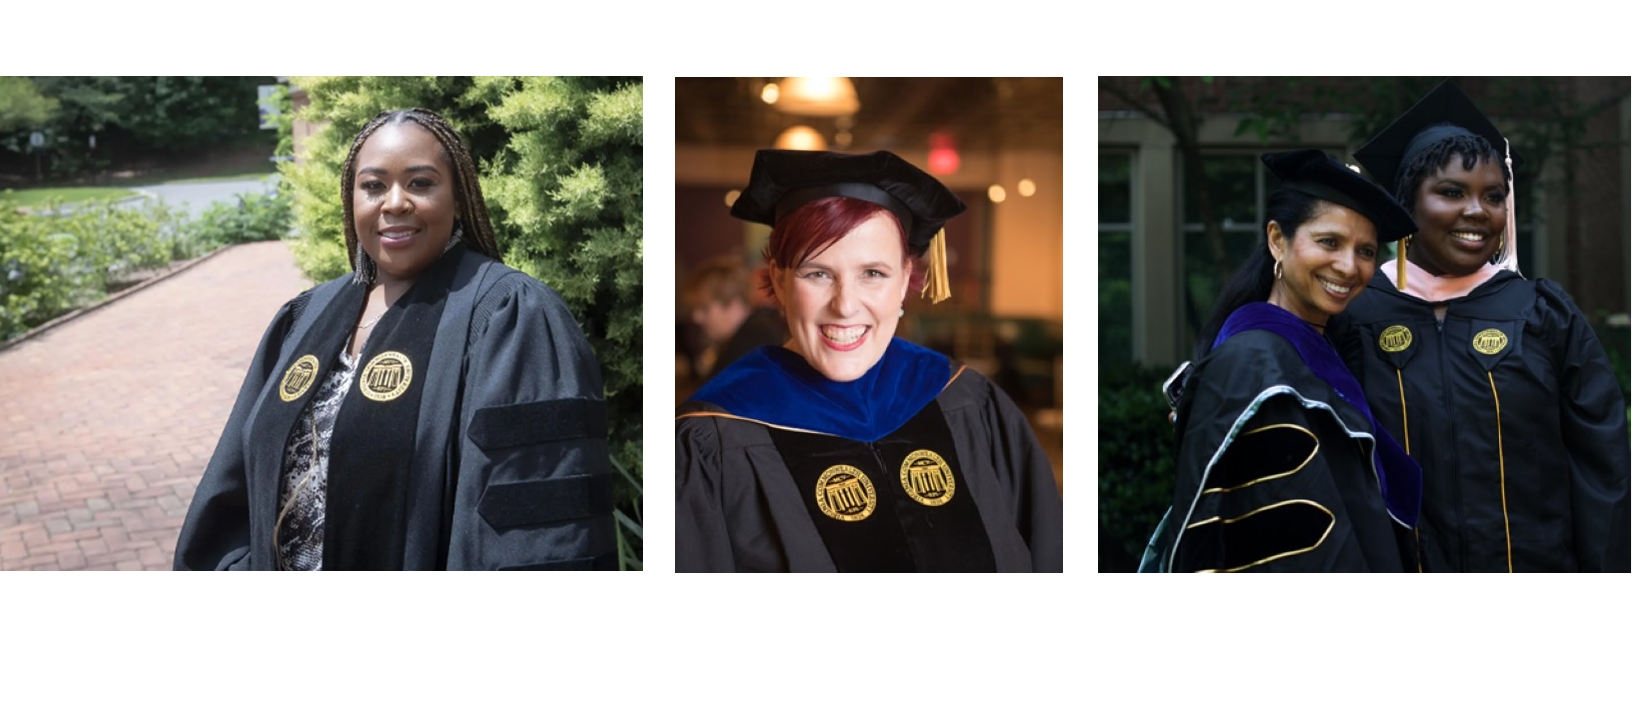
(200, 195)
(107, 422)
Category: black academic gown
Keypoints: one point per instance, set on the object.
(503, 460)
(1511, 407)
(1274, 470)
(750, 496)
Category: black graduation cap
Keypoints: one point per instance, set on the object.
(782, 180)
(1313, 172)
(1442, 113)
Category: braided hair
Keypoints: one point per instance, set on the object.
(472, 217)
(1434, 158)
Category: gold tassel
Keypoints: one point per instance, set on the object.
(938, 271)
(1402, 263)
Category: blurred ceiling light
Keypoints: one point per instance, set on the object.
(942, 158)
(1027, 187)
(817, 97)
(732, 197)
(800, 137)
(998, 194)
(769, 93)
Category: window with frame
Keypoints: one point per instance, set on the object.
(1115, 270)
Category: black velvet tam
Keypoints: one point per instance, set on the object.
(783, 180)
(1314, 173)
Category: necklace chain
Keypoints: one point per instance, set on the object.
(373, 321)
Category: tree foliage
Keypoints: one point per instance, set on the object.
(22, 106)
(132, 117)
(560, 166)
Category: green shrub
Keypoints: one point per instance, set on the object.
(37, 276)
(254, 217)
(1135, 463)
(53, 263)
(560, 165)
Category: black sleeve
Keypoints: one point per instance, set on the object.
(1594, 431)
(702, 542)
(216, 532)
(1273, 472)
(1038, 505)
(1261, 500)
(534, 482)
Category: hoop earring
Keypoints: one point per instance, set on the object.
(366, 271)
(1277, 269)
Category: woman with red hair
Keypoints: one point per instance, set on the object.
(848, 448)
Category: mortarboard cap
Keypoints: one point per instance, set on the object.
(1442, 113)
(1314, 173)
(782, 180)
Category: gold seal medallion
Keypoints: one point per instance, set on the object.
(1395, 338)
(845, 493)
(297, 379)
(927, 478)
(387, 376)
(1490, 341)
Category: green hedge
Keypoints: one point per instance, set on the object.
(53, 263)
(560, 166)
(50, 264)
(1135, 463)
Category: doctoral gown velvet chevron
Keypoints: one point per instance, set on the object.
(1277, 469)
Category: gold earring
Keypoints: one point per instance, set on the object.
(1277, 269)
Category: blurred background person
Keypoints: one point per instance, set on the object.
(718, 294)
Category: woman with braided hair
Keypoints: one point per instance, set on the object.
(435, 409)
(1494, 383)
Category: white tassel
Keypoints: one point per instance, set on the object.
(1509, 262)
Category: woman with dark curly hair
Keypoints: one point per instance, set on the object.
(436, 409)
(1496, 384)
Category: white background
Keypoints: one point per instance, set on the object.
(652, 635)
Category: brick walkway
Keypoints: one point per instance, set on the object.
(107, 422)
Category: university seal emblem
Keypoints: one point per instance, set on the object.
(386, 377)
(1395, 338)
(297, 379)
(845, 493)
(1490, 341)
(927, 478)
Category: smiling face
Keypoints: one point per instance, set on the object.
(1461, 216)
(404, 200)
(1327, 263)
(842, 304)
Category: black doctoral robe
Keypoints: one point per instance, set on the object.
(495, 458)
(754, 495)
(1275, 470)
(1511, 406)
